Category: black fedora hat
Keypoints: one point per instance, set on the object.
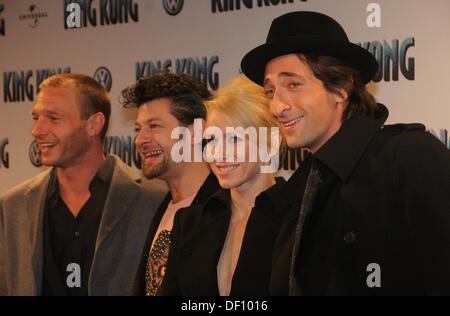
(309, 33)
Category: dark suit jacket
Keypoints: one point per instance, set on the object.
(199, 235)
(209, 187)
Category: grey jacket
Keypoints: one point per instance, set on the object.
(129, 209)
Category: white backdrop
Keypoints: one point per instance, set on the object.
(35, 43)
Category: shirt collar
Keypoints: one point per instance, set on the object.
(344, 150)
(221, 196)
(104, 174)
(274, 193)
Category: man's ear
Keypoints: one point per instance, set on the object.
(341, 97)
(95, 124)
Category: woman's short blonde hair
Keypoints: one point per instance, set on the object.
(242, 103)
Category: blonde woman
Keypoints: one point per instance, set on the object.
(224, 247)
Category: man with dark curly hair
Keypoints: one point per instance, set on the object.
(165, 102)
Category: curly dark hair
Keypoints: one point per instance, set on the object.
(186, 93)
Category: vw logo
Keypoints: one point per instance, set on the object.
(103, 76)
(35, 154)
(173, 7)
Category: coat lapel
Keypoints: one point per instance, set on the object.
(213, 222)
(122, 193)
(35, 204)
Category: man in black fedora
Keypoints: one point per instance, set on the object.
(370, 206)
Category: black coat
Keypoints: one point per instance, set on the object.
(385, 200)
(208, 188)
(199, 234)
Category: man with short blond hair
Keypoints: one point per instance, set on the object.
(79, 227)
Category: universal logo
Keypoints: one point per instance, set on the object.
(33, 16)
(103, 76)
(2, 21)
(173, 7)
(35, 154)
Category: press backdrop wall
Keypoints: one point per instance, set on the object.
(121, 40)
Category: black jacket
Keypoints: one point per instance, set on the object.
(209, 187)
(385, 199)
(199, 234)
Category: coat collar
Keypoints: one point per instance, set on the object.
(344, 150)
(340, 154)
(124, 189)
(271, 196)
(272, 200)
(208, 188)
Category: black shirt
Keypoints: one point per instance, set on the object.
(71, 240)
